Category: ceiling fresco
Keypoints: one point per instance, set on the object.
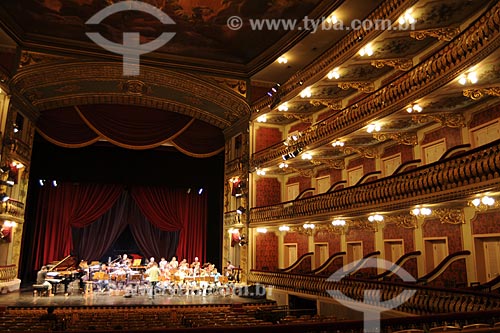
(200, 25)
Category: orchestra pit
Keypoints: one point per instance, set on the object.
(318, 166)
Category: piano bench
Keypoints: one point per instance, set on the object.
(40, 289)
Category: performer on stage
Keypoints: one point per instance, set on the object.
(125, 261)
(174, 263)
(153, 274)
(40, 279)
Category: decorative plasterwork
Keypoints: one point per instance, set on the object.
(449, 119)
(404, 138)
(134, 87)
(333, 104)
(367, 152)
(366, 87)
(401, 64)
(362, 224)
(304, 119)
(303, 172)
(332, 164)
(444, 34)
(404, 220)
(449, 215)
(238, 86)
(34, 58)
(334, 229)
(476, 94)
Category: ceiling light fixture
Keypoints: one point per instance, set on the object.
(306, 93)
(282, 60)
(333, 74)
(284, 228)
(283, 107)
(262, 118)
(414, 107)
(366, 50)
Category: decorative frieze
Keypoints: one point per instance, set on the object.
(449, 119)
(476, 94)
(444, 34)
(400, 64)
(404, 138)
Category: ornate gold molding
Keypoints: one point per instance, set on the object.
(476, 94)
(29, 58)
(366, 87)
(334, 229)
(304, 119)
(362, 224)
(302, 172)
(450, 215)
(400, 64)
(333, 104)
(134, 87)
(404, 138)
(444, 34)
(453, 120)
(404, 220)
(331, 163)
(368, 152)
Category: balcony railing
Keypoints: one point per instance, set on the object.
(8, 273)
(12, 209)
(454, 178)
(426, 300)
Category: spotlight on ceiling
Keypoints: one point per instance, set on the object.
(241, 210)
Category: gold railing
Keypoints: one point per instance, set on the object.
(8, 273)
(451, 179)
(12, 209)
(425, 300)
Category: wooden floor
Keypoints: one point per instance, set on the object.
(25, 298)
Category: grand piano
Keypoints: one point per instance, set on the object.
(64, 271)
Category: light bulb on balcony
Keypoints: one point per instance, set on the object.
(333, 74)
(338, 144)
(373, 128)
(283, 107)
(472, 77)
(306, 156)
(284, 228)
(306, 93)
(476, 202)
(375, 218)
(338, 223)
(282, 60)
(261, 230)
(262, 118)
(366, 50)
(488, 201)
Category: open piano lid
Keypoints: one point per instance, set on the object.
(66, 264)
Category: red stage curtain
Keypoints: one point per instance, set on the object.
(65, 206)
(175, 210)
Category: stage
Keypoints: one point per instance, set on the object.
(25, 299)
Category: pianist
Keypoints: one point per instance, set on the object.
(41, 277)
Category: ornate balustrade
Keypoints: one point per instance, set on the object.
(425, 300)
(453, 178)
(473, 45)
(15, 208)
(19, 148)
(8, 273)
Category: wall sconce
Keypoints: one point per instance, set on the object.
(483, 203)
(308, 228)
(333, 74)
(284, 228)
(243, 240)
(260, 172)
(4, 197)
(241, 210)
(338, 223)
(375, 218)
(415, 107)
(306, 93)
(261, 230)
(470, 77)
(421, 212)
(373, 128)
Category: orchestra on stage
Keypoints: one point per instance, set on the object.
(128, 277)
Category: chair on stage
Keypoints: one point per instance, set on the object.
(40, 289)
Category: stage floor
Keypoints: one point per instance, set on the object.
(26, 299)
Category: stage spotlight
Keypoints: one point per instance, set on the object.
(241, 210)
(188, 190)
(41, 182)
(54, 183)
(200, 191)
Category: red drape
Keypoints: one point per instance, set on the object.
(79, 205)
(65, 206)
(176, 210)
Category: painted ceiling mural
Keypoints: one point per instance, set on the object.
(200, 25)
